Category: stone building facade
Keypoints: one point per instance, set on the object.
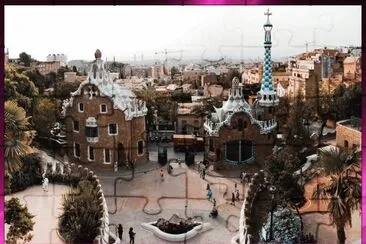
(348, 133)
(350, 67)
(105, 123)
(238, 133)
(48, 66)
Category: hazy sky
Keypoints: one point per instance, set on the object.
(209, 32)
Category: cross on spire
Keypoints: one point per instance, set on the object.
(268, 14)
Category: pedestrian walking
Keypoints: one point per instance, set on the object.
(233, 199)
(162, 174)
(237, 195)
(45, 184)
(209, 195)
(120, 231)
(208, 187)
(235, 186)
(203, 173)
(214, 203)
(132, 236)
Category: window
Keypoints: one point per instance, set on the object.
(103, 108)
(270, 110)
(75, 125)
(91, 131)
(76, 150)
(140, 147)
(91, 155)
(81, 107)
(346, 144)
(112, 129)
(107, 156)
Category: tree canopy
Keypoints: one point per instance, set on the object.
(20, 221)
(25, 58)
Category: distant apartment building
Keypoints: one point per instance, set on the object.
(62, 58)
(305, 82)
(348, 133)
(157, 71)
(187, 121)
(208, 79)
(47, 66)
(282, 78)
(192, 75)
(70, 76)
(251, 76)
(350, 67)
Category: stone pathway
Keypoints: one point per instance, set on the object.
(46, 208)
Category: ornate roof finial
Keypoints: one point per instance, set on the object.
(268, 14)
(98, 54)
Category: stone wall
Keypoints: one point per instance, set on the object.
(246, 235)
(347, 135)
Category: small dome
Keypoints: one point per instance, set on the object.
(98, 54)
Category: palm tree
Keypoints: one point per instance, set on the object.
(343, 190)
(17, 136)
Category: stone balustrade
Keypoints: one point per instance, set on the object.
(246, 235)
(104, 233)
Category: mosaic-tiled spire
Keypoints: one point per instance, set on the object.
(267, 93)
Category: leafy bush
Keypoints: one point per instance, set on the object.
(29, 175)
(80, 220)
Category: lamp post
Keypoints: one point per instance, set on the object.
(272, 191)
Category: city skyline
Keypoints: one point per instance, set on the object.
(217, 32)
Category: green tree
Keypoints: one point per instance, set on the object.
(20, 221)
(342, 192)
(21, 88)
(297, 134)
(18, 136)
(25, 58)
(63, 90)
(60, 73)
(208, 106)
(37, 78)
(174, 70)
(44, 115)
(50, 79)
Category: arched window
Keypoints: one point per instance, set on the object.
(264, 97)
(346, 144)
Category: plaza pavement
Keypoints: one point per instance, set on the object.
(146, 198)
(46, 206)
